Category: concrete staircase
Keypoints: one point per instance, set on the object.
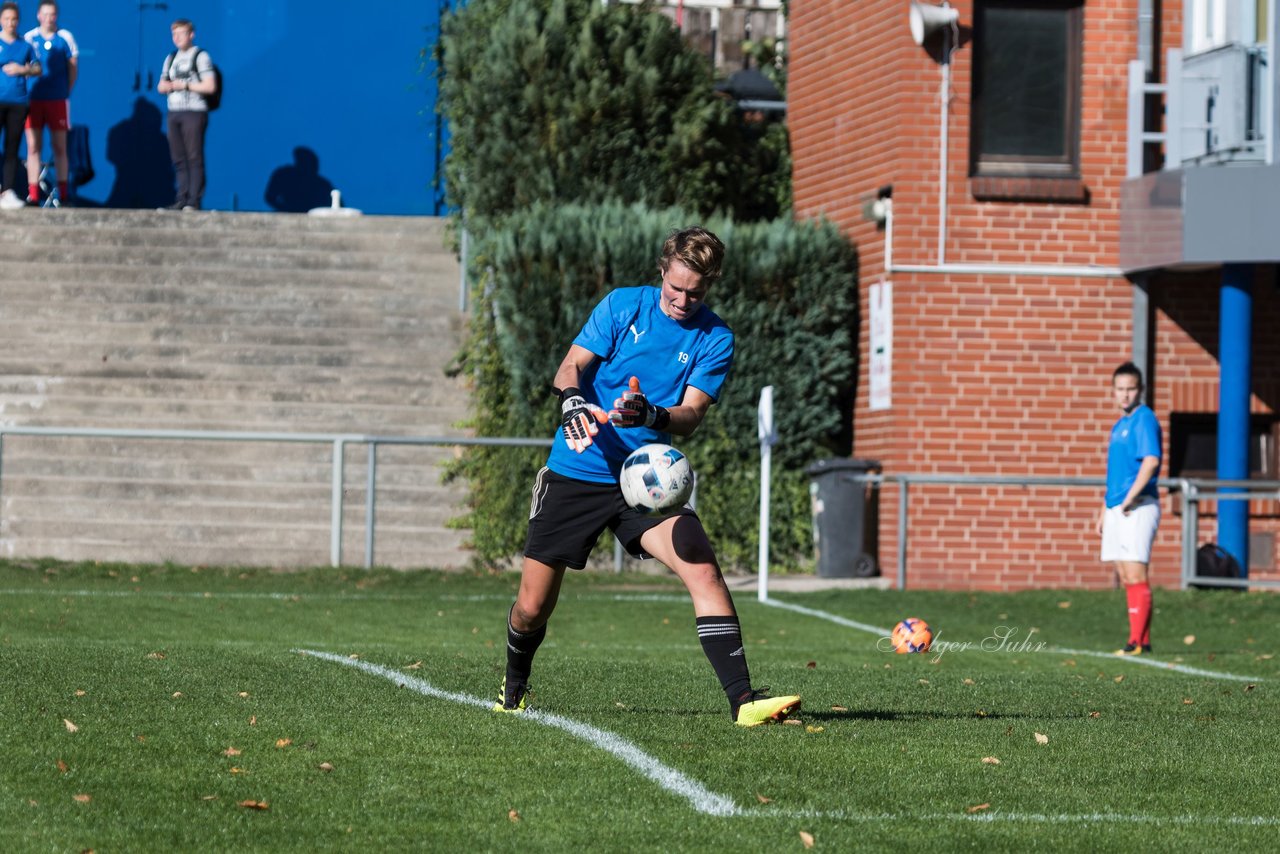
(229, 322)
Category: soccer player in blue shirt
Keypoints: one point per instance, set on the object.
(18, 64)
(1130, 514)
(657, 357)
(56, 50)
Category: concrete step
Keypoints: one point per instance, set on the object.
(68, 238)
(43, 279)
(259, 257)
(35, 391)
(117, 220)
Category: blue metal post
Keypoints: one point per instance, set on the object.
(1234, 370)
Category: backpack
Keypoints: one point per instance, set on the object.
(1213, 561)
(213, 100)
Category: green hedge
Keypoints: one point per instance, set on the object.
(580, 102)
(789, 292)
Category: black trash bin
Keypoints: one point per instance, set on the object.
(846, 516)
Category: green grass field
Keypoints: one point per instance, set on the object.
(189, 695)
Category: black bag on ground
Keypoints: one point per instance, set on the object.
(1213, 561)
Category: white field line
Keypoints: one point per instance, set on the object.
(1056, 650)
(617, 597)
(710, 803)
(699, 797)
(995, 816)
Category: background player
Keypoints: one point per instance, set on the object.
(50, 94)
(1130, 514)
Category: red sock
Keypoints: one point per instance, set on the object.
(33, 192)
(1139, 596)
(1144, 604)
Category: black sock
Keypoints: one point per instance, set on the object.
(721, 639)
(520, 649)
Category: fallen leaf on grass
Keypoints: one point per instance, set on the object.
(923, 681)
(254, 805)
(513, 816)
(353, 656)
(620, 705)
(968, 682)
(243, 694)
(762, 799)
(793, 722)
(806, 838)
(1187, 701)
(1249, 688)
(62, 766)
(417, 665)
(253, 720)
(1095, 714)
(209, 797)
(156, 655)
(990, 760)
(977, 808)
(813, 729)
(82, 798)
(82, 693)
(1266, 656)
(1189, 640)
(283, 742)
(235, 770)
(325, 766)
(1119, 678)
(812, 665)
(177, 694)
(1041, 738)
(1064, 604)
(230, 751)
(70, 726)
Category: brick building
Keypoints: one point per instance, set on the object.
(1023, 254)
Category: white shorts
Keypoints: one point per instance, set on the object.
(1129, 538)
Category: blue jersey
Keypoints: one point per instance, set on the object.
(55, 54)
(633, 338)
(1135, 436)
(14, 90)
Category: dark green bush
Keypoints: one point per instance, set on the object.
(575, 101)
(789, 292)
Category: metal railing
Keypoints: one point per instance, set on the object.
(1192, 491)
(339, 441)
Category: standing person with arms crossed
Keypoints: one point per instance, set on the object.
(187, 77)
(1130, 514)
(18, 64)
(50, 94)
(661, 356)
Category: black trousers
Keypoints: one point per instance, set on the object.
(12, 119)
(186, 148)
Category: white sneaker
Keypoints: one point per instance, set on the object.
(9, 201)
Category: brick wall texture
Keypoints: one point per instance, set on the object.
(998, 373)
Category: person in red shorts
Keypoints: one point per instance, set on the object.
(50, 94)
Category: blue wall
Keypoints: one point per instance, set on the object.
(352, 85)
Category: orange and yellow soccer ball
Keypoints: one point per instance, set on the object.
(912, 635)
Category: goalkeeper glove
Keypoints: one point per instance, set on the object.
(578, 419)
(633, 409)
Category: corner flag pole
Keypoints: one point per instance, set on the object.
(768, 435)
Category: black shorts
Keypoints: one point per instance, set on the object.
(567, 517)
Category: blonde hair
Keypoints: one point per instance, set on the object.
(696, 248)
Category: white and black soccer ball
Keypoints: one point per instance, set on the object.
(656, 479)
